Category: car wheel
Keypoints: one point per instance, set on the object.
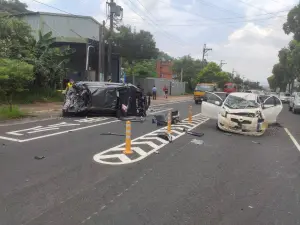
(217, 126)
(196, 102)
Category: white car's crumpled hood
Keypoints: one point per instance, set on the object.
(239, 120)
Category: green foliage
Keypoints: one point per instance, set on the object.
(145, 68)
(190, 68)
(293, 22)
(272, 82)
(12, 6)
(15, 38)
(212, 73)
(134, 46)
(164, 56)
(15, 76)
(12, 112)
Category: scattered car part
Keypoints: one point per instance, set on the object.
(197, 142)
(39, 157)
(165, 136)
(110, 133)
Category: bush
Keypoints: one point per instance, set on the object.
(13, 113)
(36, 95)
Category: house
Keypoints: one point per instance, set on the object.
(80, 33)
(164, 69)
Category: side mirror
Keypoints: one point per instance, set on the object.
(217, 103)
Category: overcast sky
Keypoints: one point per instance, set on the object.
(247, 34)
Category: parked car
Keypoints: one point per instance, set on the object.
(243, 113)
(284, 97)
(294, 104)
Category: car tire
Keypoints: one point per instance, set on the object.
(196, 102)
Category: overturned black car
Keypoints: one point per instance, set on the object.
(105, 99)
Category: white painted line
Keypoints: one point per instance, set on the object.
(145, 142)
(293, 139)
(155, 138)
(139, 150)
(174, 102)
(57, 133)
(103, 155)
(10, 139)
(122, 157)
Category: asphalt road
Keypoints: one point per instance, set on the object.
(214, 179)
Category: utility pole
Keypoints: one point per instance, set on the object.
(205, 50)
(111, 28)
(181, 74)
(114, 12)
(99, 76)
(222, 63)
(103, 50)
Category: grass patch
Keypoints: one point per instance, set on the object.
(14, 113)
(36, 95)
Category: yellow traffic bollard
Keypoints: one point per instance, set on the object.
(128, 139)
(169, 122)
(190, 114)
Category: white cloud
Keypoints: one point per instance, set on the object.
(249, 47)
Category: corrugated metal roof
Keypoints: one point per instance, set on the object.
(56, 14)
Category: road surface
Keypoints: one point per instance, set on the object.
(214, 179)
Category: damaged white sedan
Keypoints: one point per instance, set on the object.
(243, 113)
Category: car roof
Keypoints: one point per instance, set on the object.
(248, 96)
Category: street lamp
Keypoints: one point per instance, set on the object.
(87, 57)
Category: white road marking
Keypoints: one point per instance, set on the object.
(122, 157)
(57, 133)
(293, 139)
(56, 126)
(103, 156)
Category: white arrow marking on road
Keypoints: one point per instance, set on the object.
(155, 138)
(122, 157)
(136, 149)
(150, 143)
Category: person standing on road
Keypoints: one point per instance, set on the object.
(154, 89)
(165, 89)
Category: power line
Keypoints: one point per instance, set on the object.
(228, 22)
(50, 6)
(180, 42)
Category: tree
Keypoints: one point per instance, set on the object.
(164, 56)
(292, 24)
(190, 68)
(134, 46)
(279, 73)
(12, 6)
(209, 73)
(15, 38)
(272, 82)
(49, 62)
(15, 76)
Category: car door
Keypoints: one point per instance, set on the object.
(271, 108)
(212, 106)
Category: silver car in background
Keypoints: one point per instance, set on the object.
(294, 104)
(284, 97)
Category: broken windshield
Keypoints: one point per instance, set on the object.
(235, 102)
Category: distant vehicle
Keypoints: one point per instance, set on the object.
(257, 92)
(243, 113)
(200, 89)
(230, 87)
(294, 104)
(284, 97)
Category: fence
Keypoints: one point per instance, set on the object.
(175, 87)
